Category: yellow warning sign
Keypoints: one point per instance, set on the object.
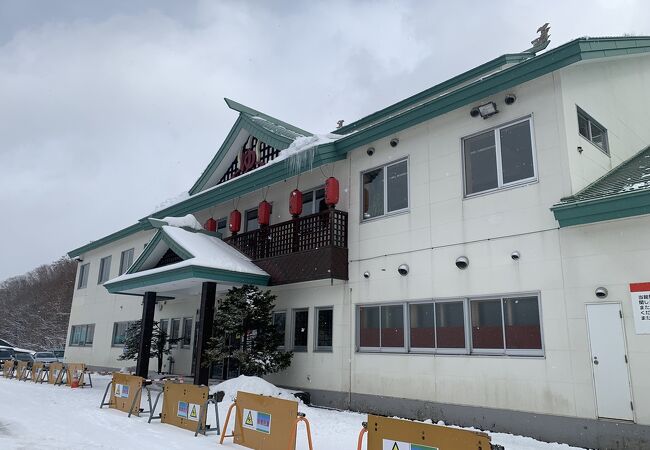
(193, 413)
(249, 419)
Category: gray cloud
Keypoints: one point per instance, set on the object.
(109, 108)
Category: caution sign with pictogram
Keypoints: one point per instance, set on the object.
(386, 433)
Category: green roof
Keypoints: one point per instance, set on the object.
(488, 79)
(622, 192)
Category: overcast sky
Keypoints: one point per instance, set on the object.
(108, 108)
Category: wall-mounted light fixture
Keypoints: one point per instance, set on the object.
(487, 110)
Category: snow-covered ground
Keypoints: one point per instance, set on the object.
(44, 416)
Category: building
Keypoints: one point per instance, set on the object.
(486, 262)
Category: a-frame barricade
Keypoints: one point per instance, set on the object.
(22, 370)
(186, 406)
(263, 422)
(56, 374)
(388, 433)
(38, 372)
(126, 393)
(76, 375)
(8, 368)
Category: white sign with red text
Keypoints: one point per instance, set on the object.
(640, 293)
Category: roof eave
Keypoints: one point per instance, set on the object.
(628, 204)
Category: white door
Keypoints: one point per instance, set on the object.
(609, 361)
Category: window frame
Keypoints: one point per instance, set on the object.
(171, 322)
(257, 215)
(123, 267)
(294, 347)
(84, 271)
(380, 349)
(590, 120)
(182, 332)
(468, 349)
(315, 206)
(384, 168)
(323, 348)
(223, 220)
(278, 312)
(86, 342)
(114, 333)
(499, 164)
(106, 261)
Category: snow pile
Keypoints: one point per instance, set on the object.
(210, 251)
(253, 385)
(188, 221)
(171, 201)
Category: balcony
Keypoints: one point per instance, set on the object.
(313, 247)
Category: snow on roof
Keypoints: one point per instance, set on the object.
(188, 221)
(171, 201)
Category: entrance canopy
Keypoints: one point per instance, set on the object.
(180, 258)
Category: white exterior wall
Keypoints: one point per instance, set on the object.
(615, 92)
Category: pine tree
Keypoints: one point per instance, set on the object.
(160, 343)
(246, 332)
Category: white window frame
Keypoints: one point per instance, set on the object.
(85, 343)
(124, 267)
(590, 120)
(282, 311)
(437, 350)
(105, 262)
(114, 334)
(384, 167)
(323, 348)
(300, 348)
(315, 206)
(182, 332)
(381, 349)
(84, 271)
(497, 143)
(225, 228)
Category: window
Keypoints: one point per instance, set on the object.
(222, 225)
(119, 333)
(324, 330)
(382, 327)
(251, 220)
(126, 260)
(82, 335)
(311, 201)
(174, 329)
(300, 329)
(280, 323)
(104, 270)
(385, 190)
(187, 332)
(164, 326)
(499, 158)
(506, 325)
(500, 325)
(83, 276)
(592, 131)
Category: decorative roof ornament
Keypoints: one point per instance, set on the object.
(541, 41)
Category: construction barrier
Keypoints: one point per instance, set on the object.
(385, 433)
(126, 393)
(56, 374)
(75, 375)
(38, 372)
(8, 369)
(22, 370)
(186, 406)
(263, 423)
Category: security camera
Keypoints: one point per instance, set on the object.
(403, 269)
(370, 151)
(462, 262)
(510, 99)
(515, 255)
(366, 274)
(474, 112)
(601, 292)
(394, 142)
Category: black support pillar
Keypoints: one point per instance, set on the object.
(206, 319)
(144, 352)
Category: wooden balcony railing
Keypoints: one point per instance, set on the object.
(287, 250)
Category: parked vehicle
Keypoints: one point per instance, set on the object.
(46, 358)
(5, 355)
(58, 353)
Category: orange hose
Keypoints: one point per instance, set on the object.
(363, 431)
(225, 425)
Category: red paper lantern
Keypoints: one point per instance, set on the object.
(331, 191)
(295, 203)
(210, 225)
(235, 221)
(264, 213)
